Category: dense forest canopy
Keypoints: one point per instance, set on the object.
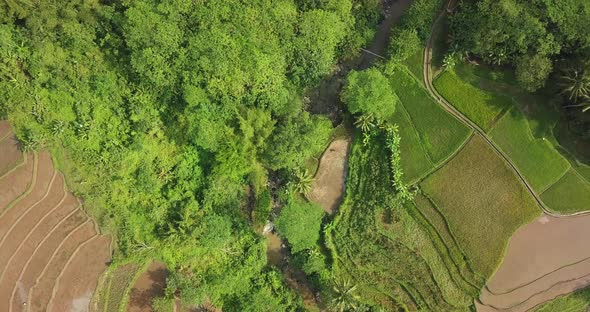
(167, 115)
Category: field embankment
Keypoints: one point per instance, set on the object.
(52, 253)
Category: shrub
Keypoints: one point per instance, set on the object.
(369, 92)
(404, 43)
(300, 222)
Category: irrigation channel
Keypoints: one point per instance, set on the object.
(546, 258)
(325, 99)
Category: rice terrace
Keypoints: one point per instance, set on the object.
(295, 155)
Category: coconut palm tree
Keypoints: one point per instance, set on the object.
(584, 104)
(576, 84)
(303, 181)
(365, 122)
(344, 297)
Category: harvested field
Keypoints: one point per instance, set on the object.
(37, 262)
(328, 185)
(148, 286)
(77, 282)
(41, 228)
(19, 231)
(63, 216)
(11, 155)
(546, 258)
(40, 191)
(483, 201)
(40, 294)
(5, 129)
(17, 182)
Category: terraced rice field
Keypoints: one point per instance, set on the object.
(545, 259)
(52, 253)
(114, 288)
(429, 135)
(483, 202)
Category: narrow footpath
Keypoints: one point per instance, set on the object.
(427, 71)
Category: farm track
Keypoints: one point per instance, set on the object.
(563, 280)
(46, 238)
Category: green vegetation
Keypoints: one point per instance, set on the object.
(168, 118)
(299, 223)
(514, 137)
(115, 286)
(415, 162)
(186, 125)
(571, 193)
(400, 266)
(578, 301)
(368, 92)
(467, 192)
(482, 107)
(545, 41)
(440, 133)
(527, 140)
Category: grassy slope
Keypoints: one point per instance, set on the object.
(440, 133)
(480, 106)
(514, 137)
(483, 201)
(568, 195)
(393, 261)
(578, 301)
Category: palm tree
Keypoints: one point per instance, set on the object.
(344, 297)
(576, 84)
(584, 104)
(303, 182)
(365, 122)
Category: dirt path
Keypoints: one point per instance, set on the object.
(329, 182)
(546, 258)
(427, 70)
(151, 284)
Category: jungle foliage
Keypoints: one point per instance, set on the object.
(167, 116)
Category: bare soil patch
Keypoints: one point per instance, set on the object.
(545, 258)
(4, 128)
(27, 223)
(41, 293)
(41, 257)
(329, 183)
(77, 282)
(11, 154)
(149, 285)
(16, 183)
(58, 217)
(45, 176)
